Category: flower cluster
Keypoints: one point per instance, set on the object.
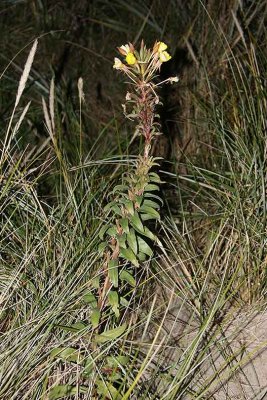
(143, 62)
(142, 67)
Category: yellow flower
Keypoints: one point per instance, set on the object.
(117, 63)
(164, 56)
(162, 47)
(124, 50)
(130, 59)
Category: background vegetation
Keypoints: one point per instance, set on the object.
(195, 299)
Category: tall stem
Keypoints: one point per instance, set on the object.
(146, 117)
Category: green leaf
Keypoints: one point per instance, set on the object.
(141, 256)
(66, 353)
(149, 234)
(113, 272)
(107, 391)
(103, 231)
(79, 326)
(109, 205)
(124, 224)
(113, 298)
(112, 231)
(124, 302)
(127, 277)
(131, 239)
(90, 299)
(113, 205)
(62, 391)
(110, 334)
(129, 206)
(116, 209)
(136, 222)
(151, 187)
(138, 200)
(150, 211)
(128, 254)
(120, 188)
(154, 177)
(121, 360)
(153, 196)
(151, 203)
(95, 317)
(96, 282)
(144, 247)
(88, 367)
(147, 217)
(101, 247)
(122, 239)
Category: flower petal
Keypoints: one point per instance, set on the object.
(164, 56)
(162, 47)
(130, 59)
(117, 63)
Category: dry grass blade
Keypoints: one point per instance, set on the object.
(21, 87)
(26, 72)
(52, 103)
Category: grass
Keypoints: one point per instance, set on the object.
(182, 340)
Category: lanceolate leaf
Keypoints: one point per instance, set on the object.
(129, 255)
(117, 361)
(154, 177)
(136, 222)
(116, 209)
(113, 205)
(124, 224)
(124, 302)
(113, 298)
(113, 272)
(63, 391)
(109, 205)
(122, 241)
(151, 203)
(127, 277)
(67, 354)
(112, 231)
(150, 211)
(107, 391)
(129, 206)
(131, 239)
(103, 231)
(149, 234)
(147, 217)
(138, 200)
(95, 317)
(111, 334)
(119, 188)
(151, 187)
(144, 247)
(90, 299)
(142, 256)
(153, 196)
(102, 247)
